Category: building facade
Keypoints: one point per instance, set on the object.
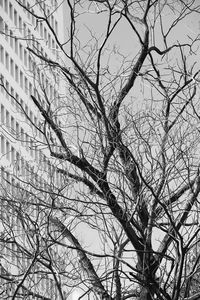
(24, 161)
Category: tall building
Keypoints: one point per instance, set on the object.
(24, 161)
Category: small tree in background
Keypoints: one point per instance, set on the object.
(118, 156)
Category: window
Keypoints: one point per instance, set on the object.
(7, 119)
(41, 29)
(15, 17)
(21, 79)
(24, 4)
(26, 110)
(33, 41)
(16, 45)
(11, 38)
(26, 85)
(2, 54)
(30, 89)
(27, 141)
(6, 32)
(1, 24)
(24, 29)
(2, 176)
(32, 18)
(17, 99)
(21, 51)
(17, 161)
(8, 180)
(22, 166)
(12, 155)
(31, 116)
(20, 24)
(2, 144)
(2, 114)
(52, 21)
(10, 11)
(22, 136)
(12, 124)
(35, 123)
(31, 148)
(12, 67)
(6, 5)
(2, 82)
(29, 37)
(49, 41)
(7, 150)
(45, 34)
(25, 57)
(53, 46)
(7, 61)
(51, 91)
(17, 129)
(56, 27)
(16, 73)
(22, 105)
(28, 11)
(30, 63)
(7, 89)
(12, 95)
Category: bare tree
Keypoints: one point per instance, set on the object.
(111, 205)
